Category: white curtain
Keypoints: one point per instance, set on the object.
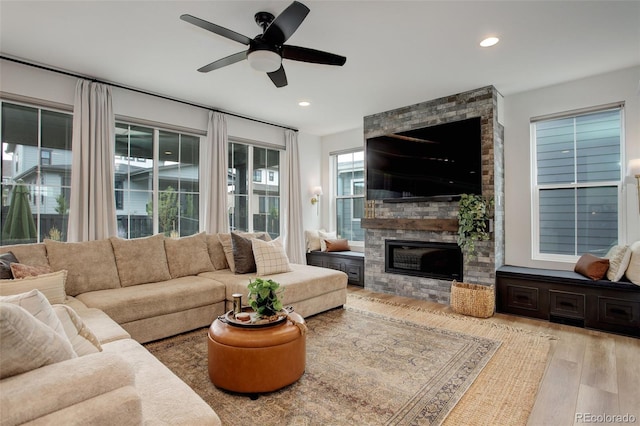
(293, 214)
(213, 175)
(92, 210)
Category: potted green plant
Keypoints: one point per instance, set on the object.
(264, 297)
(474, 220)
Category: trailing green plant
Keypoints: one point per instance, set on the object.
(264, 297)
(474, 213)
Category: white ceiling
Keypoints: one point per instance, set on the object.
(398, 52)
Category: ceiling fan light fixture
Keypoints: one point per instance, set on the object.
(264, 60)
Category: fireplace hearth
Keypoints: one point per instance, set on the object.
(424, 259)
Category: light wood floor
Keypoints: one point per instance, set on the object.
(588, 372)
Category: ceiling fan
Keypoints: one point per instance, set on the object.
(266, 50)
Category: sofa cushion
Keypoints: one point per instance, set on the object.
(133, 303)
(216, 252)
(90, 265)
(227, 245)
(140, 260)
(619, 257)
(51, 285)
(82, 339)
(20, 270)
(188, 255)
(29, 254)
(270, 257)
(27, 343)
(6, 259)
(303, 282)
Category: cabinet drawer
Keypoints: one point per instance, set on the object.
(618, 311)
(566, 304)
(522, 297)
(355, 274)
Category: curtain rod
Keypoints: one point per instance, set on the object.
(95, 80)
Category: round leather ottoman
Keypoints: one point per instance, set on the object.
(256, 360)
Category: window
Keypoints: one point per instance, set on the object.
(156, 182)
(36, 160)
(349, 179)
(254, 206)
(577, 182)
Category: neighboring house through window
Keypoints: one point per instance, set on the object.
(36, 152)
(254, 205)
(349, 183)
(157, 186)
(577, 182)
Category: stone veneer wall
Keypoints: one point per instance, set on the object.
(482, 103)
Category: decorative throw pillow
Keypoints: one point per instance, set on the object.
(337, 245)
(227, 245)
(633, 270)
(216, 252)
(82, 339)
(90, 265)
(619, 257)
(313, 240)
(6, 259)
(141, 260)
(326, 236)
(26, 343)
(51, 285)
(242, 254)
(188, 255)
(591, 266)
(37, 305)
(20, 270)
(270, 257)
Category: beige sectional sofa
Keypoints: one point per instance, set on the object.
(130, 292)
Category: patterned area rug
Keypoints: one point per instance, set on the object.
(362, 368)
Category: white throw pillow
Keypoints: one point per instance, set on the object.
(312, 238)
(270, 257)
(27, 343)
(633, 270)
(37, 305)
(82, 339)
(326, 236)
(619, 257)
(51, 285)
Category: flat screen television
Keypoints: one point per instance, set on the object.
(430, 163)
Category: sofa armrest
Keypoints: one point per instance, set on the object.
(91, 382)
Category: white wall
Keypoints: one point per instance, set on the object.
(616, 86)
(309, 147)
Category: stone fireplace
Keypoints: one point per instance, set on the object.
(435, 222)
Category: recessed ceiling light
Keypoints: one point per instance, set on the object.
(489, 41)
(304, 103)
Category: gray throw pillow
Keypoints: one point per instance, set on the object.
(6, 259)
(243, 253)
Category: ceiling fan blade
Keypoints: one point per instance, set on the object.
(217, 29)
(231, 59)
(286, 23)
(305, 54)
(279, 77)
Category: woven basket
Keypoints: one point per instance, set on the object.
(473, 299)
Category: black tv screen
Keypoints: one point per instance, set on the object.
(432, 162)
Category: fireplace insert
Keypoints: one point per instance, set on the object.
(424, 259)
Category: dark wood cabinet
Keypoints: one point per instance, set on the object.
(569, 298)
(349, 262)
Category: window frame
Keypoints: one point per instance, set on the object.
(334, 186)
(536, 188)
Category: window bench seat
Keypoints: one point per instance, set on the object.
(350, 262)
(569, 298)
